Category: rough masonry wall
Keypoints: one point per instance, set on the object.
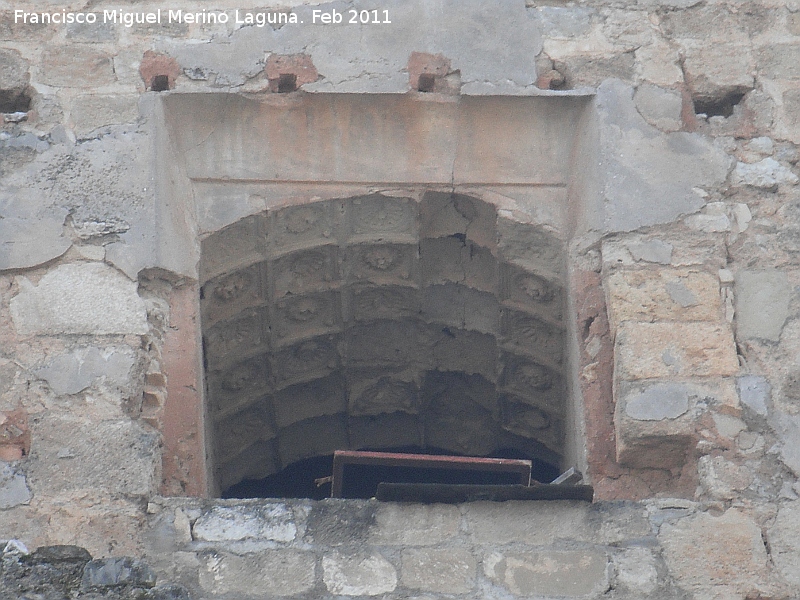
(684, 264)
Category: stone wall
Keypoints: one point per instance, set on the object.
(678, 215)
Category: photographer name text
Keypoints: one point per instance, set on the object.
(204, 17)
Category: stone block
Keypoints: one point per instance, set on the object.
(14, 74)
(383, 395)
(385, 343)
(238, 432)
(400, 524)
(271, 572)
(256, 462)
(92, 32)
(767, 174)
(358, 574)
(754, 393)
(27, 242)
(716, 556)
(105, 573)
(300, 227)
(118, 457)
(584, 70)
(525, 334)
(669, 350)
(722, 479)
(227, 342)
(305, 271)
(91, 112)
(295, 318)
(443, 571)
(381, 218)
(663, 295)
(660, 107)
(458, 425)
(318, 398)
(762, 304)
(305, 361)
(530, 247)
(784, 542)
(533, 523)
(461, 307)
(653, 424)
(273, 522)
(383, 264)
(456, 215)
(385, 302)
(779, 61)
(715, 70)
(451, 260)
(77, 66)
(83, 298)
(73, 372)
(552, 573)
(237, 245)
(467, 352)
(637, 570)
(529, 292)
(13, 487)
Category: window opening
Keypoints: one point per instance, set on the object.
(375, 323)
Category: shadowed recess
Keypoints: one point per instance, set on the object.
(381, 322)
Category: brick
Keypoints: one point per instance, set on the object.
(298, 66)
(663, 295)
(77, 66)
(667, 350)
(562, 574)
(444, 571)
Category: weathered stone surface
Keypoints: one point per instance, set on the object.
(77, 66)
(657, 402)
(784, 542)
(716, 556)
(357, 574)
(13, 487)
(530, 522)
(273, 522)
(91, 112)
(421, 525)
(640, 166)
(75, 371)
(754, 393)
(663, 295)
(762, 304)
(79, 298)
(104, 573)
(722, 479)
(444, 571)
(659, 107)
(14, 74)
(717, 69)
(654, 251)
(552, 573)
(274, 572)
(27, 240)
(662, 350)
(123, 447)
(766, 174)
(637, 570)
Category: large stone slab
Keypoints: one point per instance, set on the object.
(539, 523)
(13, 487)
(399, 524)
(273, 522)
(663, 295)
(785, 543)
(358, 574)
(716, 556)
(666, 350)
(439, 570)
(270, 572)
(88, 298)
(762, 304)
(559, 573)
(73, 372)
